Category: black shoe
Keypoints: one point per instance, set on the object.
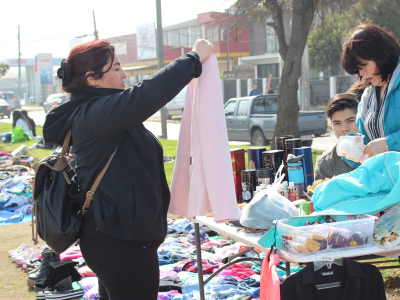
(48, 256)
(60, 275)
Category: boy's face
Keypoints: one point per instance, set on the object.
(344, 122)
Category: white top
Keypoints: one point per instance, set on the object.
(25, 126)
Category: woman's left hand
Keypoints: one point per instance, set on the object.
(376, 146)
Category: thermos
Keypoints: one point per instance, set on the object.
(254, 157)
(249, 184)
(307, 163)
(265, 176)
(290, 144)
(273, 159)
(280, 143)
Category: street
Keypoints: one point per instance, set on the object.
(173, 126)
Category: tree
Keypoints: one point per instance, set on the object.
(384, 13)
(325, 43)
(3, 69)
(302, 15)
(326, 39)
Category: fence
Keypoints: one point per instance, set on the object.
(321, 88)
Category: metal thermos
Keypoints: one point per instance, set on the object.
(265, 176)
(273, 159)
(254, 157)
(249, 184)
(290, 144)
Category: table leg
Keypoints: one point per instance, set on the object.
(199, 261)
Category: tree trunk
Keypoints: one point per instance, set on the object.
(288, 108)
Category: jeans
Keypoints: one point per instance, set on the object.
(123, 267)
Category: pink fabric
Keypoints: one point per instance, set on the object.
(270, 283)
(202, 178)
(242, 272)
(85, 271)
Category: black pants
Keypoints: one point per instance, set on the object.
(125, 269)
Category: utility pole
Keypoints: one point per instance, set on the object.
(19, 73)
(96, 34)
(227, 52)
(160, 55)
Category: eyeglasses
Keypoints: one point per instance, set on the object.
(350, 44)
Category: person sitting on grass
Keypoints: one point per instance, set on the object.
(19, 119)
(342, 111)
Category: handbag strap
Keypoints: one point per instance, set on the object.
(90, 193)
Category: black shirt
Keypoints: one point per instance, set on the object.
(360, 282)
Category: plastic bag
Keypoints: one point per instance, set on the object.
(19, 135)
(266, 206)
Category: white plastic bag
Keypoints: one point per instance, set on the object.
(266, 206)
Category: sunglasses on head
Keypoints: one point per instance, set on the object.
(350, 44)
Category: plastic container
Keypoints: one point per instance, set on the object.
(347, 231)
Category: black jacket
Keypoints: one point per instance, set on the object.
(132, 200)
(360, 282)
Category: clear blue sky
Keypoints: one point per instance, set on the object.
(48, 25)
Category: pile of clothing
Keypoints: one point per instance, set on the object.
(15, 190)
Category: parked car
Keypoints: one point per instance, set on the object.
(176, 105)
(10, 98)
(5, 109)
(253, 119)
(55, 99)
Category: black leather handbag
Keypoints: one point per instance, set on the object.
(57, 211)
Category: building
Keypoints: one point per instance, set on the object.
(178, 39)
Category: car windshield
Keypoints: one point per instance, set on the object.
(2, 102)
(55, 97)
(6, 96)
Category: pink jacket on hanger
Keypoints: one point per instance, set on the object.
(270, 283)
(203, 175)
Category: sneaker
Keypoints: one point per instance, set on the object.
(65, 294)
(18, 250)
(42, 294)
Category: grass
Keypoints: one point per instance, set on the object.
(33, 105)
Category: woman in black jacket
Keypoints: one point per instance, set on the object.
(127, 219)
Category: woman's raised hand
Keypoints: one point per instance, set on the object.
(203, 48)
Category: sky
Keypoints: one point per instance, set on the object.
(48, 26)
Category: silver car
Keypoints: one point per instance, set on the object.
(53, 99)
(176, 105)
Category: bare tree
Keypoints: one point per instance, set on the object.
(302, 14)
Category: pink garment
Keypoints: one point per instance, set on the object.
(242, 272)
(71, 253)
(202, 178)
(270, 283)
(85, 271)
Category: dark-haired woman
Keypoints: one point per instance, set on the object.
(127, 219)
(30, 121)
(19, 118)
(373, 54)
